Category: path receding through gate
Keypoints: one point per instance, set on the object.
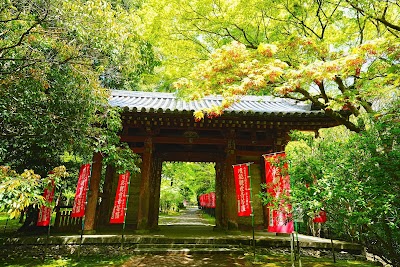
(188, 223)
(189, 216)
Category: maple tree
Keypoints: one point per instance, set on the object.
(341, 56)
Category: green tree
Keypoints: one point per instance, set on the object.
(355, 178)
(53, 60)
(188, 180)
(340, 56)
(19, 191)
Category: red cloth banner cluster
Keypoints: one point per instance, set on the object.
(242, 182)
(45, 211)
(278, 187)
(118, 213)
(78, 210)
(207, 200)
(320, 217)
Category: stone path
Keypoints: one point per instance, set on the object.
(188, 217)
(179, 260)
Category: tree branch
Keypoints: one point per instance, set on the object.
(12, 19)
(24, 34)
(340, 84)
(245, 37)
(381, 19)
(331, 113)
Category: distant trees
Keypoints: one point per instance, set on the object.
(185, 181)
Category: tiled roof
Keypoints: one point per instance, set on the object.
(169, 102)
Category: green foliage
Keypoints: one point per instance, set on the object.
(53, 60)
(355, 178)
(18, 191)
(185, 181)
(338, 55)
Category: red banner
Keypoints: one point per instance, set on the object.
(242, 182)
(78, 210)
(212, 200)
(207, 200)
(118, 213)
(45, 211)
(278, 187)
(320, 217)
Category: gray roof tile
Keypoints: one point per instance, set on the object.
(144, 101)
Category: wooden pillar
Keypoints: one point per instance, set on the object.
(90, 213)
(220, 221)
(229, 189)
(133, 204)
(144, 194)
(107, 198)
(155, 188)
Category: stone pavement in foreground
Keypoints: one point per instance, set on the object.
(188, 229)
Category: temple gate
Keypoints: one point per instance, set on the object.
(160, 127)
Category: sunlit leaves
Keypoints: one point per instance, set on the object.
(18, 191)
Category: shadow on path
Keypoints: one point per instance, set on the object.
(188, 216)
(178, 260)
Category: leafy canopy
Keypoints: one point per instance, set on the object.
(54, 60)
(339, 55)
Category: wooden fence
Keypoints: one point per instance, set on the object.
(64, 222)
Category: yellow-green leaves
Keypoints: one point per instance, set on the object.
(18, 191)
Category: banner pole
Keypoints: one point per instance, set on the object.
(83, 218)
(298, 243)
(333, 249)
(125, 209)
(48, 227)
(252, 212)
(47, 239)
(271, 154)
(292, 249)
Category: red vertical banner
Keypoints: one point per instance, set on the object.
(78, 210)
(320, 217)
(278, 187)
(45, 211)
(212, 197)
(118, 213)
(242, 182)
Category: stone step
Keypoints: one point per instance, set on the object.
(204, 250)
(185, 246)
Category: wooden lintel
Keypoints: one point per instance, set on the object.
(190, 156)
(196, 141)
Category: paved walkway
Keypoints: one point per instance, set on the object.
(189, 216)
(188, 231)
(174, 224)
(216, 260)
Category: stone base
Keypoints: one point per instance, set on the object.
(142, 232)
(88, 232)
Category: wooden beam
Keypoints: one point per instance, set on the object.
(191, 156)
(196, 141)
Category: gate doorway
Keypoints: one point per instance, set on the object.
(182, 183)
